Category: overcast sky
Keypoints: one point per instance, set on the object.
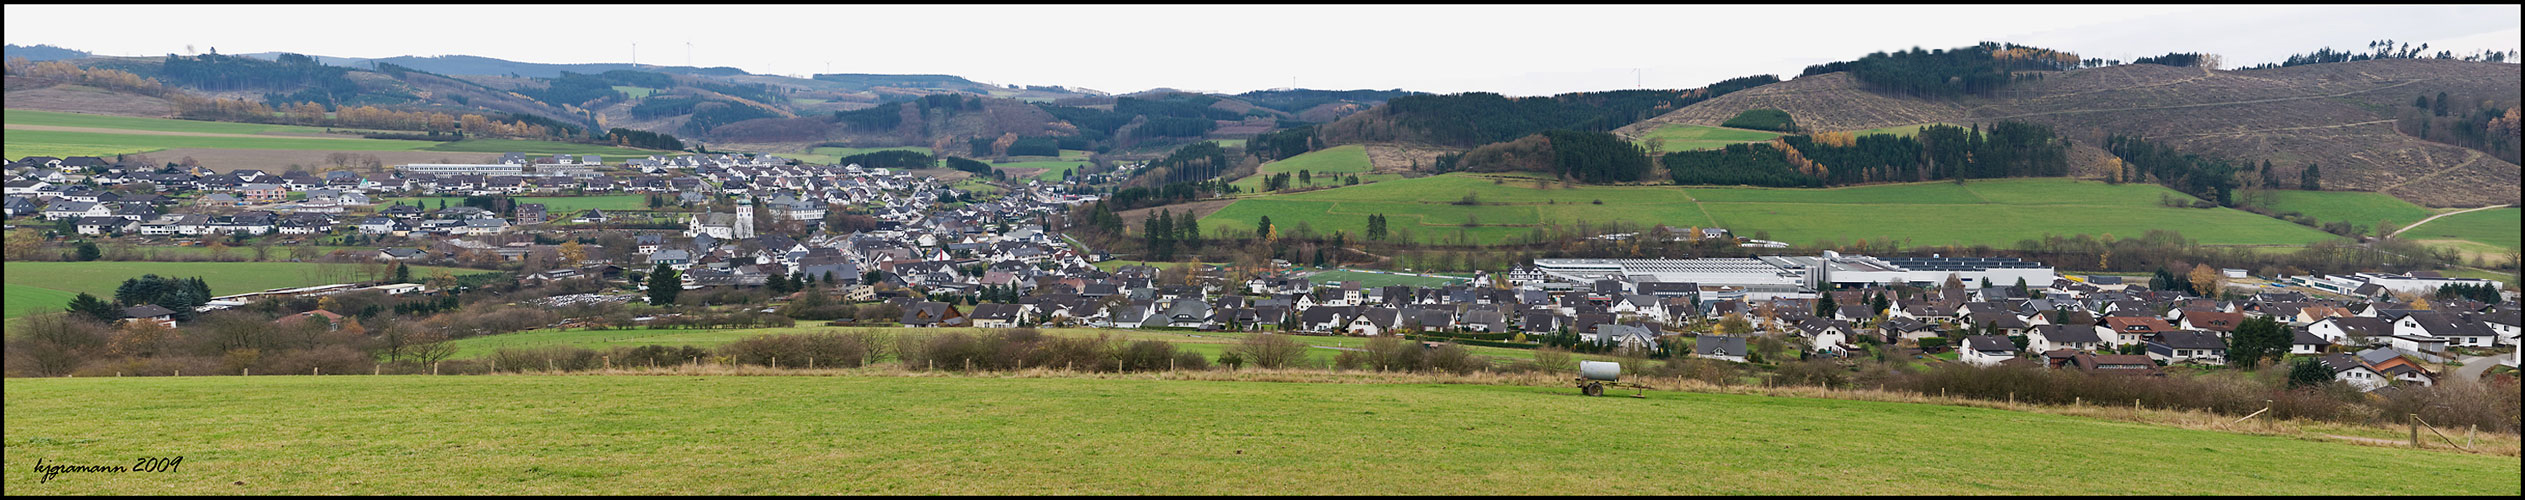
(1510, 49)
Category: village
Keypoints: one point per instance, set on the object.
(937, 261)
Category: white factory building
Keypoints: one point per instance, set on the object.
(1799, 276)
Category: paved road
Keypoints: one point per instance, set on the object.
(2474, 366)
(2398, 233)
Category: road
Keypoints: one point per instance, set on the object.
(2476, 365)
(2398, 233)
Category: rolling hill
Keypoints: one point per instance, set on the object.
(2335, 115)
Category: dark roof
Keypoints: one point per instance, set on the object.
(1719, 345)
(146, 311)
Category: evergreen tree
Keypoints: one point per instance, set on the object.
(403, 274)
(2256, 339)
(1823, 304)
(2308, 372)
(664, 284)
(87, 251)
(2310, 179)
(92, 307)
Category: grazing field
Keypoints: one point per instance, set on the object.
(1995, 212)
(616, 154)
(103, 141)
(1346, 159)
(67, 134)
(554, 205)
(1051, 170)
(26, 299)
(2494, 227)
(1378, 279)
(1208, 344)
(225, 278)
(2360, 209)
(828, 155)
(81, 120)
(854, 434)
(1692, 137)
(635, 92)
(1901, 130)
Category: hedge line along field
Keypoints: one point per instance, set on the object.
(1209, 344)
(849, 434)
(1344, 159)
(555, 205)
(26, 299)
(2362, 209)
(1692, 137)
(2495, 227)
(225, 278)
(75, 134)
(1996, 212)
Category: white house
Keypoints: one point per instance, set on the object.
(1986, 350)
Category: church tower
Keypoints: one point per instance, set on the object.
(744, 218)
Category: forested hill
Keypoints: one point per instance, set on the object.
(41, 53)
(2371, 125)
(1476, 118)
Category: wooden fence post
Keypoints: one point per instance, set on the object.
(2414, 420)
(249, 372)
(316, 371)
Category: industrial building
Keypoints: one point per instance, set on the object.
(1797, 276)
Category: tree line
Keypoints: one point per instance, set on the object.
(1937, 152)
(2385, 49)
(1977, 70)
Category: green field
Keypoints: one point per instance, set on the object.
(635, 92)
(103, 143)
(226, 278)
(57, 119)
(1692, 137)
(1373, 280)
(652, 435)
(22, 143)
(2494, 227)
(1230, 143)
(1993, 212)
(1208, 344)
(827, 155)
(1052, 168)
(24, 299)
(554, 205)
(615, 154)
(2361, 209)
(1345, 159)
(1901, 130)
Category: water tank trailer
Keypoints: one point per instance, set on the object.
(1594, 375)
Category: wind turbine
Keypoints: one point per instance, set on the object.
(688, 53)
(635, 54)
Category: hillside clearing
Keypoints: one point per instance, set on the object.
(2002, 211)
(225, 278)
(1696, 137)
(992, 435)
(1344, 159)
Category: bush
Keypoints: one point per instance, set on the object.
(1268, 350)
(1147, 355)
(1189, 360)
(335, 359)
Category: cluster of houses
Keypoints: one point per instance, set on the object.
(966, 249)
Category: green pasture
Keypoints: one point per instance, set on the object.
(1996, 212)
(2362, 209)
(856, 434)
(1691, 137)
(1345, 159)
(102, 277)
(2494, 227)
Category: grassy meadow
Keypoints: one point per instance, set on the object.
(1208, 344)
(1691, 137)
(2495, 227)
(827, 155)
(554, 205)
(37, 282)
(98, 136)
(1373, 280)
(2362, 209)
(851, 434)
(1345, 159)
(1996, 212)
